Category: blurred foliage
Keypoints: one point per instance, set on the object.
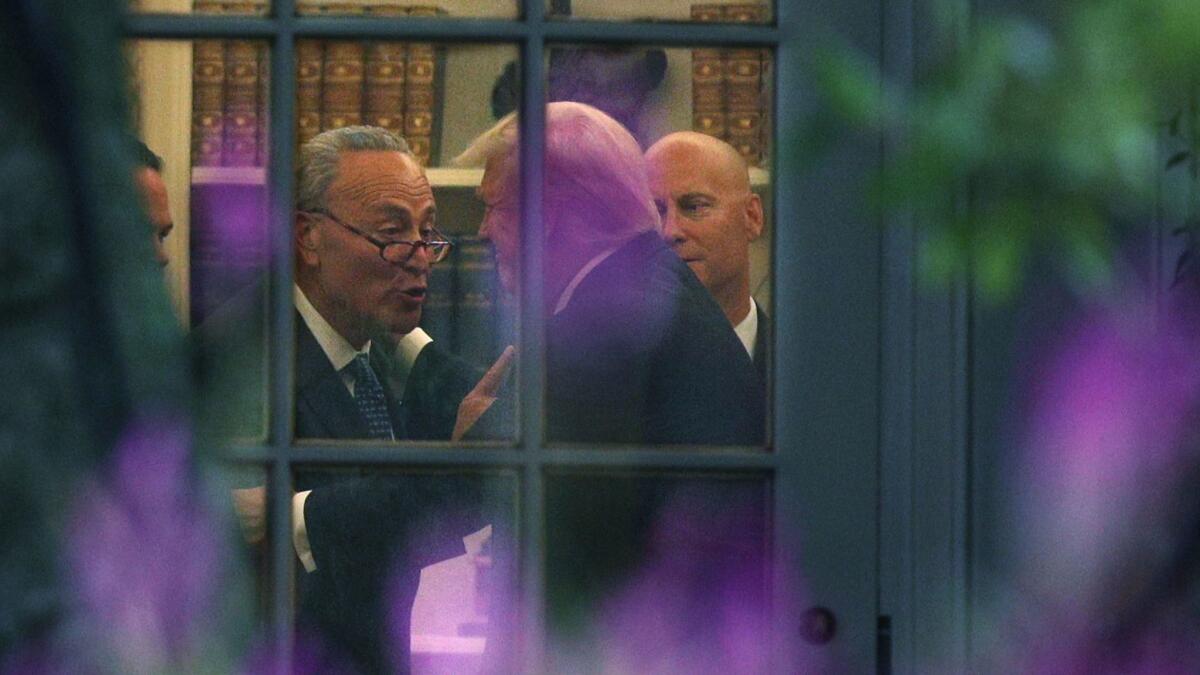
(1052, 128)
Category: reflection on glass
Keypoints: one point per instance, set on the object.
(640, 348)
(200, 109)
(388, 349)
(673, 10)
(656, 573)
(236, 7)
(495, 9)
(405, 571)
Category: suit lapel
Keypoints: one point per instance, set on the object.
(760, 345)
(324, 408)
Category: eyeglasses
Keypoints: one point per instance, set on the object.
(399, 252)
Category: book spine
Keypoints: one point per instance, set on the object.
(386, 69)
(208, 101)
(262, 106)
(708, 85)
(342, 77)
(309, 56)
(419, 100)
(437, 317)
(746, 89)
(241, 101)
(475, 314)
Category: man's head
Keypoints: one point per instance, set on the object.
(594, 196)
(148, 177)
(701, 187)
(357, 186)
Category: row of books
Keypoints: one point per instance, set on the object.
(731, 87)
(462, 311)
(338, 83)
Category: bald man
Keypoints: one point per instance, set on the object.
(701, 186)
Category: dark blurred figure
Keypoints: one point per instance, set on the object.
(638, 353)
(617, 80)
(77, 363)
(701, 186)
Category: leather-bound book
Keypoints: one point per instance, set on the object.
(208, 94)
(386, 64)
(708, 83)
(309, 56)
(475, 309)
(419, 94)
(342, 77)
(747, 89)
(241, 100)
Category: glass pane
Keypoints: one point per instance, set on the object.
(492, 9)
(650, 573)
(400, 571)
(201, 110)
(377, 124)
(236, 7)
(674, 10)
(656, 267)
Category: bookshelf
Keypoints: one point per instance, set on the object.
(440, 177)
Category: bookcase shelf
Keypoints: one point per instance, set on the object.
(439, 177)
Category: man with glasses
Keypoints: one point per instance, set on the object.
(365, 240)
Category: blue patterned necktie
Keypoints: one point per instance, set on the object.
(368, 394)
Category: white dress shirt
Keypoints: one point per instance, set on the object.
(747, 329)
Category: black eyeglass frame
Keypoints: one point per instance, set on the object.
(439, 249)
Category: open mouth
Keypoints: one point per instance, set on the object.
(416, 293)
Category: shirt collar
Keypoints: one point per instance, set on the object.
(336, 348)
(747, 329)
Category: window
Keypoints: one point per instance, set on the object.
(538, 476)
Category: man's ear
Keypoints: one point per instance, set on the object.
(754, 217)
(308, 238)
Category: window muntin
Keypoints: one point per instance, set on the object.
(532, 482)
(712, 11)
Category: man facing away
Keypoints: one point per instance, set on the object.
(637, 350)
(637, 353)
(710, 216)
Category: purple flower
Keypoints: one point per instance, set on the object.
(144, 554)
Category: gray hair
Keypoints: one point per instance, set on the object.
(592, 165)
(319, 159)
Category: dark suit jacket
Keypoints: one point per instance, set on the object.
(641, 355)
(372, 532)
(760, 344)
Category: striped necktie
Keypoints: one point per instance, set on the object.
(368, 394)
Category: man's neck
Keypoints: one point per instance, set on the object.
(330, 312)
(736, 304)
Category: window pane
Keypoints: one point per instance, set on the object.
(403, 570)
(201, 109)
(378, 124)
(656, 267)
(494, 9)
(653, 573)
(674, 10)
(235, 7)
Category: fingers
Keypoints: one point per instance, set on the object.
(489, 384)
(251, 507)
